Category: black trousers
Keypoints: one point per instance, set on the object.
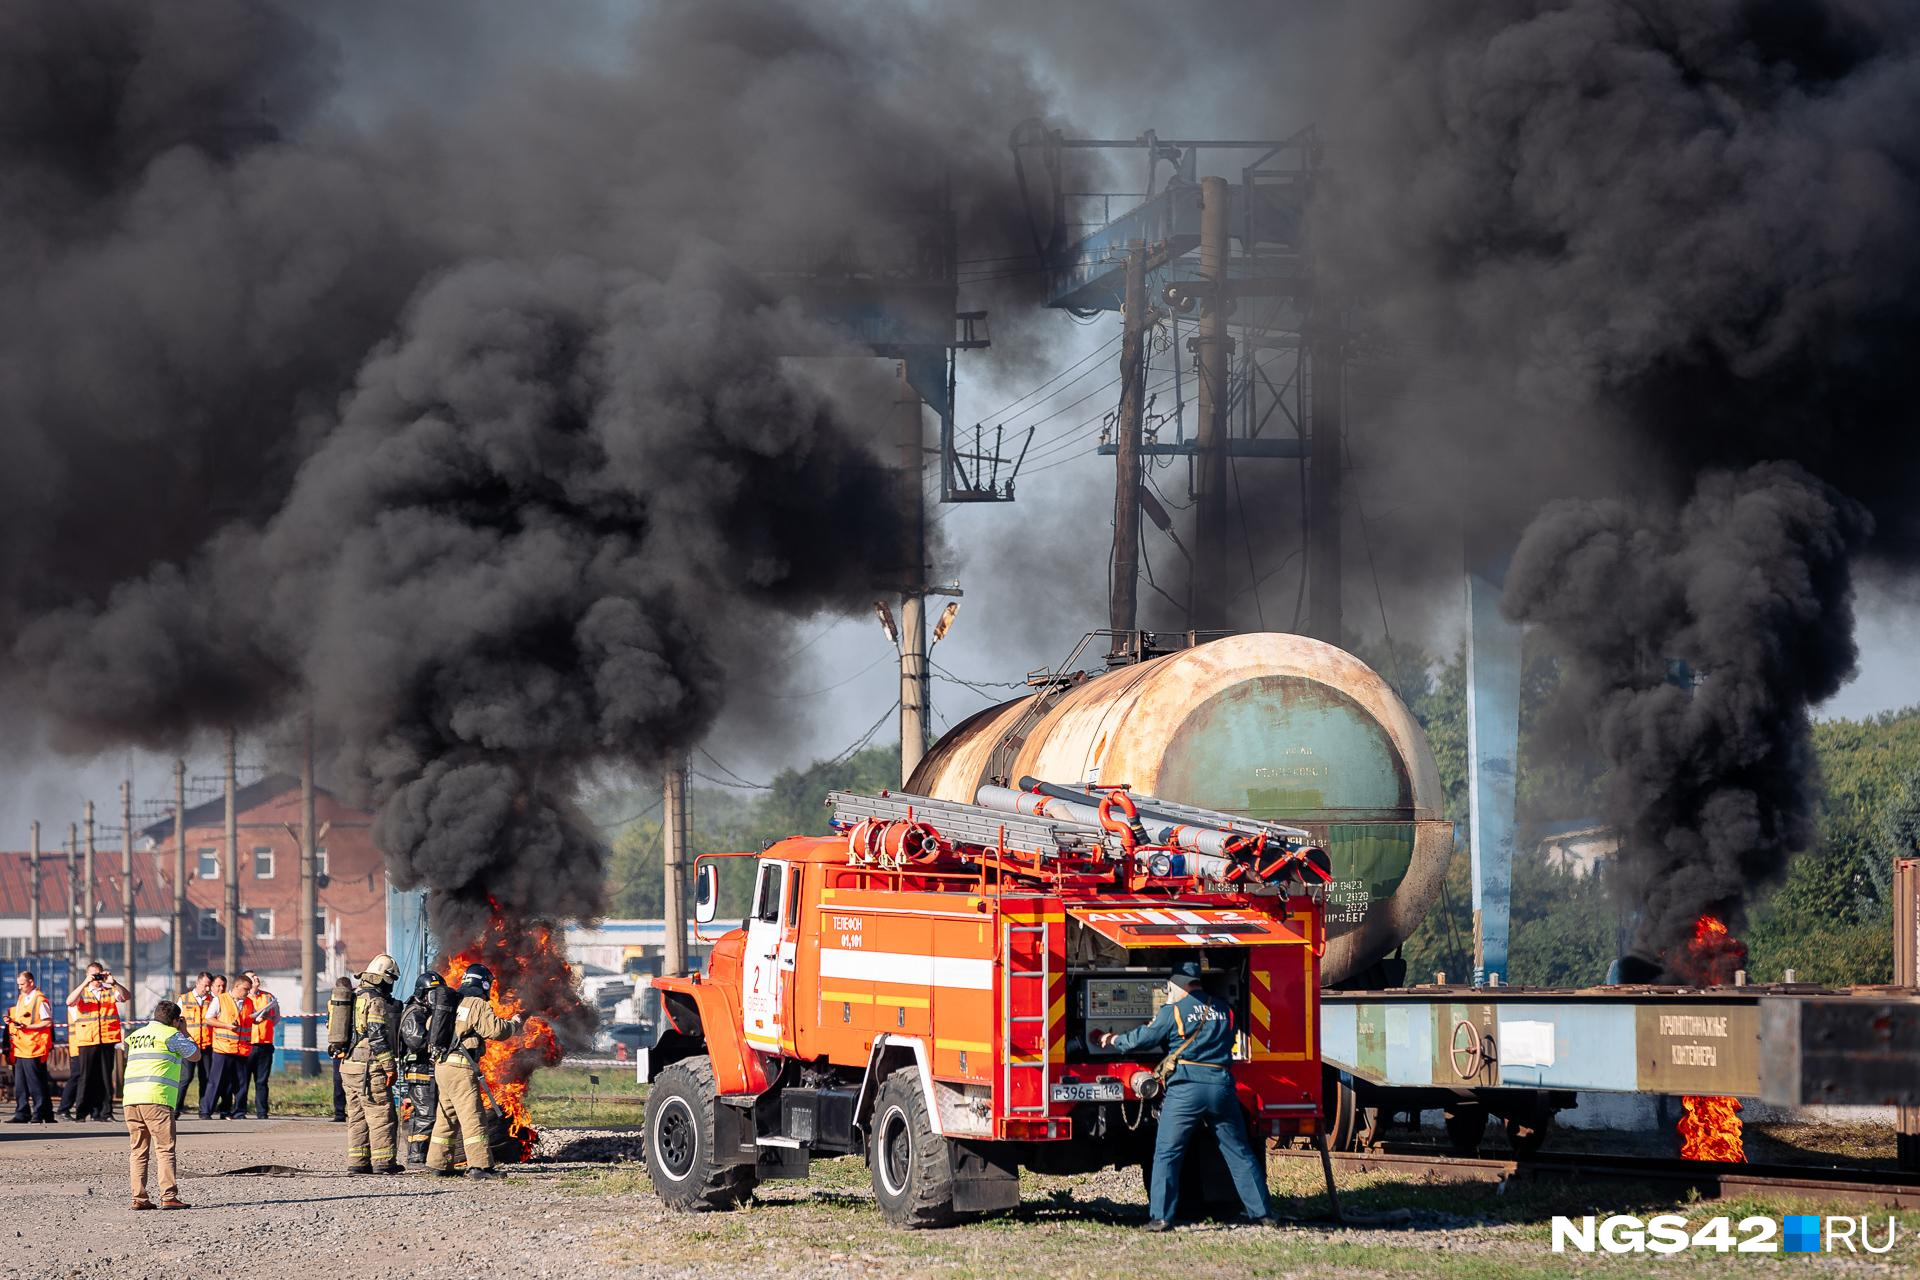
(339, 1094)
(189, 1072)
(32, 1089)
(94, 1066)
(253, 1079)
(223, 1084)
(425, 1098)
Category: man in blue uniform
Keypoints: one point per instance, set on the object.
(1198, 1031)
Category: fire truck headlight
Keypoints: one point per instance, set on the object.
(1160, 864)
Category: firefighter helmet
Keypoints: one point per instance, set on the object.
(381, 970)
(479, 977)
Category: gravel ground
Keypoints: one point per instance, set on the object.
(584, 1209)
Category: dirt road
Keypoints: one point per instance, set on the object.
(585, 1211)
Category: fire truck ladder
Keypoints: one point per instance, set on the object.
(1010, 975)
(972, 824)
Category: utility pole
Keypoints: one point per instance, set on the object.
(127, 963)
(1124, 591)
(180, 875)
(309, 908)
(1327, 371)
(231, 956)
(1215, 350)
(913, 601)
(33, 893)
(91, 903)
(73, 901)
(673, 837)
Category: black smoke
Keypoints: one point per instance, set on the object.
(1659, 266)
(471, 425)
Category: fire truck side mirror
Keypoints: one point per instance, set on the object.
(706, 892)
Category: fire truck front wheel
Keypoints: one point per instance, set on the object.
(680, 1122)
(912, 1172)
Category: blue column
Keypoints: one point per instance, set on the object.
(1493, 745)
(409, 941)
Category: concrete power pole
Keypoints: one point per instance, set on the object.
(1123, 606)
(90, 903)
(309, 909)
(33, 894)
(914, 702)
(1215, 351)
(180, 875)
(1327, 370)
(231, 956)
(73, 901)
(127, 962)
(673, 838)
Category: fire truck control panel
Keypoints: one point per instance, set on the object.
(1118, 1004)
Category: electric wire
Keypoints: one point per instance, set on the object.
(814, 693)
(756, 786)
(866, 737)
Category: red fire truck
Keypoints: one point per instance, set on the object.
(919, 988)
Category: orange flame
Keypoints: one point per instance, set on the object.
(1710, 1130)
(1714, 955)
(507, 1065)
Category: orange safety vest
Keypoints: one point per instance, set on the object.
(193, 1019)
(266, 1018)
(32, 1042)
(237, 1036)
(94, 1022)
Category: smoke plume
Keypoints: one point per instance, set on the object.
(475, 427)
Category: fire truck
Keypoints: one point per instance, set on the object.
(919, 989)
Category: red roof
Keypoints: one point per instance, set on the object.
(109, 934)
(153, 887)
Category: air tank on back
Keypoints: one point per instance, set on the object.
(1269, 725)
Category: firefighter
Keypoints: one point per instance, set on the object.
(30, 1034)
(367, 1073)
(457, 1079)
(1196, 1031)
(416, 1068)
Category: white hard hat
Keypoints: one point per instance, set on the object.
(381, 969)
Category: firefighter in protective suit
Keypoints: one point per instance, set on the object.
(1196, 1031)
(457, 1079)
(367, 1072)
(416, 1067)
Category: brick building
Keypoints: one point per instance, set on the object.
(152, 906)
(352, 892)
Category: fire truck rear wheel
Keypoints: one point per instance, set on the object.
(680, 1139)
(912, 1174)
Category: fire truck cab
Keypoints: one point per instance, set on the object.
(918, 990)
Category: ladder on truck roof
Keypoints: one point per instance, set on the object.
(977, 825)
(1037, 1054)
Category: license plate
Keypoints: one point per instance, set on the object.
(1087, 1091)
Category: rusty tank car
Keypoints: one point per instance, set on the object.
(1271, 726)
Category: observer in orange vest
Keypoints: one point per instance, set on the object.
(266, 1021)
(93, 1033)
(30, 1035)
(194, 1005)
(231, 1017)
(157, 1055)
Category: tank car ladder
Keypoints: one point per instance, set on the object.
(1009, 1020)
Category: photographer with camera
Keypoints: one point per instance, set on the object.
(94, 1033)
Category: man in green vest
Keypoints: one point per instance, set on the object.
(157, 1055)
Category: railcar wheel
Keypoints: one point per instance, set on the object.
(679, 1135)
(911, 1168)
(1466, 1127)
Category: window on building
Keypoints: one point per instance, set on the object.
(209, 927)
(320, 861)
(209, 868)
(263, 862)
(263, 922)
(320, 924)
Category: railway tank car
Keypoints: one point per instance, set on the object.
(1274, 726)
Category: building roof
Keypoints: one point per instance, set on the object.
(152, 895)
(213, 813)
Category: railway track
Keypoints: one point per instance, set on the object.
(1878, 1187)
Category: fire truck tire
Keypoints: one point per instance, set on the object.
(912, 1170)
(680, 1140)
